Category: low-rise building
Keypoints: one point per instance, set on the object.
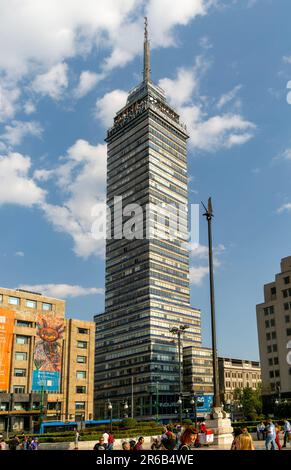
(46, 361)
(237, 373)
(233, 373)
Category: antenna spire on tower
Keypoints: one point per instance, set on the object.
(146, 54)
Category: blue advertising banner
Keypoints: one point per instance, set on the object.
(45, 380)
(204, 403)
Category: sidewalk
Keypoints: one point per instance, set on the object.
(88, 445)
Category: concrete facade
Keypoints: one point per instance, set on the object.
(274, 333)
(197, 370)
(73, 399)
(237, 373)
(147, 288)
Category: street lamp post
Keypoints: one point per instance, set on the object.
(41, 409)
(194, 404)
(157, 401)
(57, 409)
(216, 396)
(125, 407)
(110, 413)
(8, 416)
(179, 331)
(180, 403)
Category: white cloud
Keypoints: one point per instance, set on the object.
(81, 177)
(19, 253)
(17, 187)
(197, 250)
(165, 14)
(8, 101)
(50, 33)
(181, 89)
(227, 97)
(207, 132)
(205, 43)
(62, 291)
(197, 274)
(200, 252)
(29, 107)
(285, 155)
(15, 132)
(287, 59)
(87, 82)
(109, 104)
(52, 83)
(284, 208)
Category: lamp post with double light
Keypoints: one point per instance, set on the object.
(179, 331)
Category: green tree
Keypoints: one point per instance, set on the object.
(250, 400)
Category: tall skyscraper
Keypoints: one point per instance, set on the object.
(274, 331)
(147, 277)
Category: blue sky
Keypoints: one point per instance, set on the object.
(224, 66)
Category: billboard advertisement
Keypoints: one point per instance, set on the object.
(204, 403)
(47, 357)
(6, 338)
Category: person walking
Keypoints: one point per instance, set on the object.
(287, 432)
(245, 440)
(236, 434)
(25, 443)
(77, 438)
(156, 444)
(105, 437)
(261, 430)
(34, 444)
(13, 443)
(100, 445)
(188, 439)
(125, 445)
(139, 445)
(270, 435)
(110, 441)
(277, 439)
(2, 444)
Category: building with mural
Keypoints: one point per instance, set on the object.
(46, 361)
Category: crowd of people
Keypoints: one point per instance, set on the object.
(174, 437)
(269, 432)
(15, 443)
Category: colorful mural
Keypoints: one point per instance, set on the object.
(6, 337)
(47, 356)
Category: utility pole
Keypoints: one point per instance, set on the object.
(41, 406)
(132, 398)
(157, 401)
(179, 331)
(8, 416)
(216, 395)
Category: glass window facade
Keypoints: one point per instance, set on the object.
(146, 278)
